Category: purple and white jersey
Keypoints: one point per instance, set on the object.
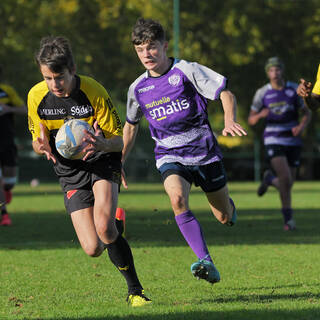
(175, 105)
(283, 114)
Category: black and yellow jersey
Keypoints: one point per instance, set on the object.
(9, 97)
(89, 101)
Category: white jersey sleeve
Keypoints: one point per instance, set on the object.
(257, 102)
(206, 81)
(134, 113)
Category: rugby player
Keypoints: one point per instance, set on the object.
(172, 94)
(90, 185)
(11, 104)
(279, 105)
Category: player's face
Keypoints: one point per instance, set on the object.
(274, 73)
(153, 56)
(60, 84)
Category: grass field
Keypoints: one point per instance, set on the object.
(266, 273)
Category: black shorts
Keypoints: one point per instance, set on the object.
(211, 177)
(8, 156)
(292, 153)
(79, 196)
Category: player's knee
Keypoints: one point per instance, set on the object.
(107, 231)
(93, 250)
(178, 202)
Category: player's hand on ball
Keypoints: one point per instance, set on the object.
(233, 128)
(43, 144)
(95, 142)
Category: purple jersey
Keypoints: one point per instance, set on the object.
(175, 105)
(283, 115)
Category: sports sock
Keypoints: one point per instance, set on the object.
(192, 232)
(120, 227)
(287, 214)
(121, 256)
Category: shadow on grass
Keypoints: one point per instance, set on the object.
(305, 314)
(158, 228)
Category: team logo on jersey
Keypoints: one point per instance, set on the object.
(81, 110)
(174, 80)
(289, 93)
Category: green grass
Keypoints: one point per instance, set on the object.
(266, 273)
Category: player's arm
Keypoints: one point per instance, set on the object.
(5, 109)
(130, 132)
(40, 135)
(97, 142)
(305, 120)
(255, 116)
(229, 105)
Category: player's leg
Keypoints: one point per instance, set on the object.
(9, 181)
(106, 198)
(83, 223)
(9, 171)
(285, 176)
(5, 218)
(178, 189)
(222, 205)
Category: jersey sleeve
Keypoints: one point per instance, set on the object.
(107, 116)
(257, 102)
(206, 81)
(33, 117)
(316, 87)
(134, 113)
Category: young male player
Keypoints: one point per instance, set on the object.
(310, 95)
(280, 106)
(10, 105)
(172, 94)
(90, 185)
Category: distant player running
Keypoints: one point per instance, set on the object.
(10, 105)
(280, 106)
(90, 185)
(172, 94)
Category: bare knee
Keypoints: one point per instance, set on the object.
(107, 231)
(178, 203)
(93, 250)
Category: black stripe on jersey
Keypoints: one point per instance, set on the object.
(76, 106)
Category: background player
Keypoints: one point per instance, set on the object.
(172, 94)
(91, 186)
(278, 103)
(10, 105)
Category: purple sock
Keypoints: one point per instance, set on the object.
(287, 214)
(192, 232)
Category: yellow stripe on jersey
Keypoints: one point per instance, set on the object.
(13, 98)
(104, 111)
(316, 87)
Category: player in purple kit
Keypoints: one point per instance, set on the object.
(278, 103)
(172, 94)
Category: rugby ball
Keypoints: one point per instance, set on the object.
(69, 139)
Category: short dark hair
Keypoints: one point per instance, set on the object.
(56, 54)
(146, 31)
